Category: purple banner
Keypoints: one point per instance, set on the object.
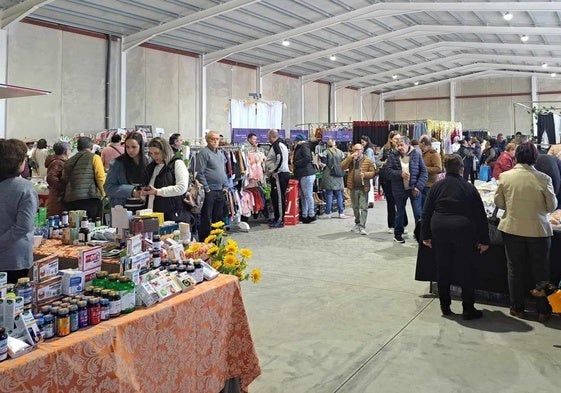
(294, 133)
(337, 135)
(239, 135)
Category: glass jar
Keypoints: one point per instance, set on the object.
(63, 322)
(49, 327)
(105, 309)
(24, 289)
(83, 319)
(198, 275)
(101, 278)
(112, 281)
(114, 304)
(74, 317)
(128, 294)
(94, 311)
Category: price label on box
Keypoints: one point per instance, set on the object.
(89, 261)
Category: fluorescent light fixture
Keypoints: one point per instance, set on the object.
(553, 74)
(416, 83)
(332, 57)
(524, 38)
(508, 16)
(394, 76)
(285, 42)
(544, 65)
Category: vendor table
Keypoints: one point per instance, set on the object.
(193, 342)
(490, 267)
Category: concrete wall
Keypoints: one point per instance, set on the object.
(371, 108)
(287, 90)
(316, 102)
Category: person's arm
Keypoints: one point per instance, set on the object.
(423, 176)
(25, 218)
(99, 173)
(181, 182)
(550, 198)
(393, 167)
(346, 163)
(278, 157)
(426, 217)
(480, 218)
(114, 186)
(202, 160)
(435, 166)
(499, 199)
(370, 171)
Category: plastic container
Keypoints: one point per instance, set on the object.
(83, 319)
(94, 311)
(74, 317)
(114, 304)
(24, 289)
(49, 327)
(100, 280)
(128, 294)
(3, 344)
(63, 322)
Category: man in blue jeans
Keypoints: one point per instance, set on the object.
(408, 175)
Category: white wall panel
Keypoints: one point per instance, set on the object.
(162, 83)
(244, 82)
(287, 90)
(136, 87)
(187, 97)
(219, 92)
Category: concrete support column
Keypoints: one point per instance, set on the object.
(361, 105)
(534, 105)
(333, 103)
(201, 101)
(123, 89)
(452, 101)
(3, 78)
(382, 115)
(301, 100)
(258, 80)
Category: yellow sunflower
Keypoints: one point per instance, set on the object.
(194, 248)
(231, 246)
(217, 232)
(246, 253)
(217, 265)
(218, 224)
(255, 275)
(230, 261)
(212, 250)
(210, 238)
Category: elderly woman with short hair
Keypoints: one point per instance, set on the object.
(527, 197)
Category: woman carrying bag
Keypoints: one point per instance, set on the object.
(332, 179)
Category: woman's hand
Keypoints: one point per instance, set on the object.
(148, 190)
(482, 248)
(428, 243)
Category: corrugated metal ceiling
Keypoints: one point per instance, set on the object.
(380, 46)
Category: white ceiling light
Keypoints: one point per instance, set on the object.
(416, 83)
(524, 38)
(544, 65)
(394, 76)
(553, 74)
(507, 16)
(285, 42)
(332, 57)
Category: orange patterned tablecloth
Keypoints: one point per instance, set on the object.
(67, 251)
(193, 342)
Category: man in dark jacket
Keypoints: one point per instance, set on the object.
(305, 172)
(454, 206)
(551, 166)
(408, 175)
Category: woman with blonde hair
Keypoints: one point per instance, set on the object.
(332, 181)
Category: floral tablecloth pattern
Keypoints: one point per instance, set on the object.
(192, 342)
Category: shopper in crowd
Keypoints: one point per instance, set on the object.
(166, 182)
(368, 147)
(113, 150)
(305, 172)
(454, 207)
(385, 181)
(55, 166)
(501, 143)
(551, 166)
(505, 162)
(38, 156)
(127, 172)
(490, 154)
(432, 161)
(85, 177)
(361, 171)
(467, 152)
(456, 144)
(332, 184)
(176, 143)
(408, 175)
(276, 167)
(527, 197)
(18, 205)
(212, 175)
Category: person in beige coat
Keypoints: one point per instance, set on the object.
(527, 196)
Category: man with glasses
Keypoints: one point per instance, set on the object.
(212, 175)
(361, 171)
(408, 174)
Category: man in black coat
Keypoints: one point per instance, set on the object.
(551, 166)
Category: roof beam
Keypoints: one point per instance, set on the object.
(378, 10)
(20, 11)
(409, 32)
(437, 45)
(464, 68)
(133, 40)
(441, 61)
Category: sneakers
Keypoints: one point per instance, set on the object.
(327, 216)
(405, 231)
(398, 239)
(356, 229)
(343, 216)
(446, 310)
(277, 224)
(390, 230)
(362, 231)
(470, 314)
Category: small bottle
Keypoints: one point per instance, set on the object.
(56, 220)
(84, 235)
(98, 221)
(24, 289)
(112, 281)
(54, 313)
(49, 327)
(97, 292)
(114, 304)
(83, 319)
(94, 311)
(105, 309)
(156, 243)
(89, 290)
(64, 218)
(63, 322)
(199, 277)
(105, 294)
(40, 321)
(3, 344)
(101, 278)
(74, 318)
(191, 270)
(128, 294)
(156, 260)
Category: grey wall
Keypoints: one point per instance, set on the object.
(288, 91)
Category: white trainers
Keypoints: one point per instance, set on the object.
(405, 231)
(363, 232)
(326, 216)
(356, 229)
(343, 216)
(390, 230)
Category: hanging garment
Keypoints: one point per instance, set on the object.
(546, 125)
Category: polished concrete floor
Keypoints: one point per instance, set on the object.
(340, 312)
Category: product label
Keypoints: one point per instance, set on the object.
(115, 307)
(3, 348)
(128, 300)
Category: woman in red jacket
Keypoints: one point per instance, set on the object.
(505, 161)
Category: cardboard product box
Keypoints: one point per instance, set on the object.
(13, 306)
(165, 287)
(48, 291)
(147, 294)
(157, 216)
(45, 268)
(73, 281)
(27, 329)
(17, 347)
(3, 284)
(89, 259)
(185, 281)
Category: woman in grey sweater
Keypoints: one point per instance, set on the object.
(18, 205)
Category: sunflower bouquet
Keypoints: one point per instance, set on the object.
(225, 255)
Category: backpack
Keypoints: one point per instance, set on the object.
(195, 195)
(335, 170)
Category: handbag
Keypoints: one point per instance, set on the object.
(485, 173)
(335, 170)
(495, 236)
(195, 195)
